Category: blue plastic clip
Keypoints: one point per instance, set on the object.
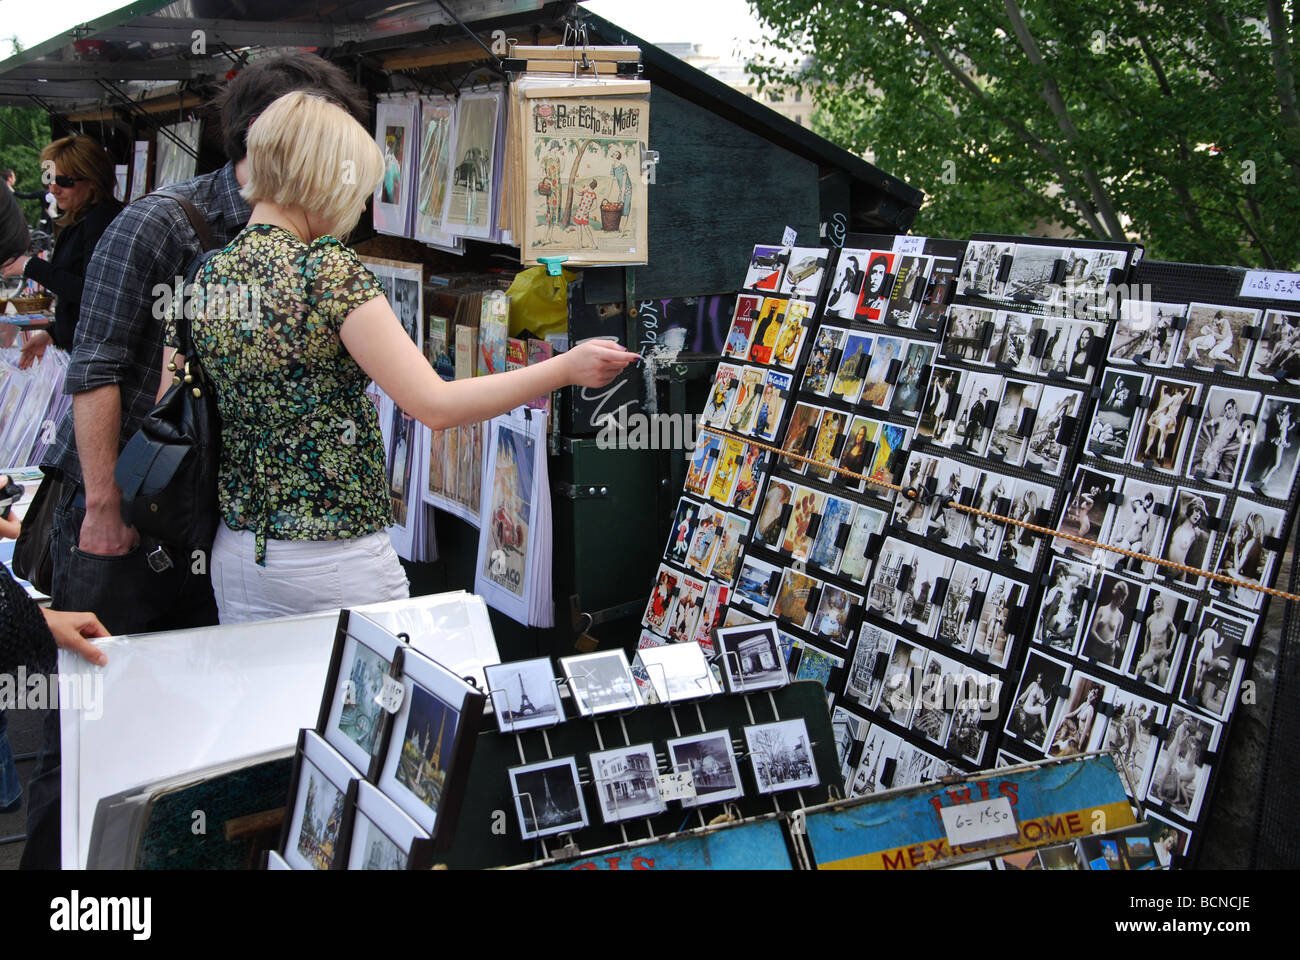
(552, 265)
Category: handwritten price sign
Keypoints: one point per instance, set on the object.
(1271, 285)
(969, 823)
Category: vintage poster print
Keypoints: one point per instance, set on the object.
(1249, 551)
(803, 277)
(846, 288)
(660, 606)
(690, 597)
(745, 496)
(726, 384)
(875, 383)
(790, 340)
(1277, 355)
(510, 509)
(1160, 441)
(792, 598)
(475, 179)
(700, 555)
(711, 616)
(1215, 337)
(1112, 423)
(766, 268)
(876, 287)
(744, 409)
(757, 584)
(807, 504)
(1223, 435)
(587, 198)
(727, 472)
(742, 328)
(1214, 666)
(777, 507)
(726, 556)
(1145, 333)
(436, 132)
(771, 317)
(700, 470)
(831, 621)
(771, 403)
(1271, 466)
(683, 531)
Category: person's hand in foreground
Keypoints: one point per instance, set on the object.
(74, 631)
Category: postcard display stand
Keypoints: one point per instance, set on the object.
(1189, 455)
(1036, 376)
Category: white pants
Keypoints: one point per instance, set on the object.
(302, 576)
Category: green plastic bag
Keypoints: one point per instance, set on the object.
(540, 303)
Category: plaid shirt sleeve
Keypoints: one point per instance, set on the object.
(119, 337)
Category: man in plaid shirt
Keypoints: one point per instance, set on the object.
(101, 564)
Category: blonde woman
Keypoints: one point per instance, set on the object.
(80, 176)
(302, 486)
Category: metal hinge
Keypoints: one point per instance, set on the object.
(582, 491)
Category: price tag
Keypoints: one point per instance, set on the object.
(909, 246)
(789, 238)
(969, 823)
(677, 786)
(390, 695)
(1271, 285)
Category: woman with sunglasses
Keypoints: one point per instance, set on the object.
(81, 178)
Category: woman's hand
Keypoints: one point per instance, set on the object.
(14, 267)
(34, 349)
(73, 631)
(596, 362)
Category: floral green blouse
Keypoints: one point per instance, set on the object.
(301, 451)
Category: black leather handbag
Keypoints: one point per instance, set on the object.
(168, 471)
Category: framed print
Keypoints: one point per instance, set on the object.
(1271, 465)
(351, 721)
(524, 694)
(1215, 337)
(548, 797)
(1181, 773)
(600, 682)
(781, 756)
(751, 657)
(677, 672)
(1277, 354)
(431, 741)
(315, 833)
(626, 780)
(395, 126)
(1250, 551)
(712, 764)
(1223, 435)
(383, 837)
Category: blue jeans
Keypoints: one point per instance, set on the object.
(11, 789)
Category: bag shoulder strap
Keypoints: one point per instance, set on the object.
(203, 231)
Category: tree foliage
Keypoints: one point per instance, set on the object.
(24, 131)
(1175, 124)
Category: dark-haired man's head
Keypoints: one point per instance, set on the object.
(260, 84)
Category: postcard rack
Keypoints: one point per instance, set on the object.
(488, 834)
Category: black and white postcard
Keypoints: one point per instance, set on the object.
(781, 756)
(548, 797)
(626, 780)
(524, 694)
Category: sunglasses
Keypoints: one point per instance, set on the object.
(68, 182)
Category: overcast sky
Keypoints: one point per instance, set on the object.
(726, 28)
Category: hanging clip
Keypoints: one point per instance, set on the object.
(552, 265)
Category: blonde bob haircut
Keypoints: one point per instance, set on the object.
(307, 152)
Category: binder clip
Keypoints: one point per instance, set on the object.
(552, 265)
